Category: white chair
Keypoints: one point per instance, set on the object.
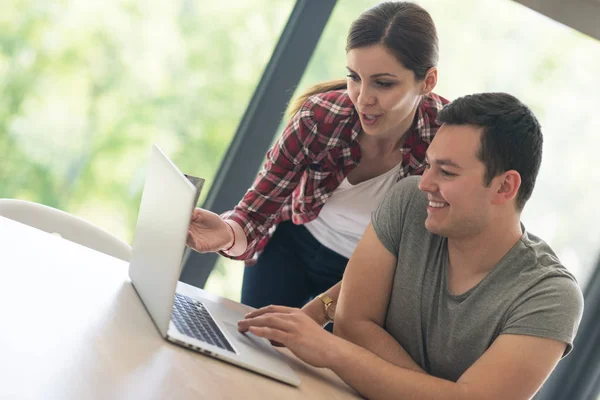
(65, 225)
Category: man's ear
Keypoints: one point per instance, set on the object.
(507, 185)
(430, 80)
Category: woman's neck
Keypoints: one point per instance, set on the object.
(389, 142)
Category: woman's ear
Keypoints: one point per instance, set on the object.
(430, 80)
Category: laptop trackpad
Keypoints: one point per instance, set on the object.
(248, 341)
(258, 354)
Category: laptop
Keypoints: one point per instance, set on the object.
(183, 314)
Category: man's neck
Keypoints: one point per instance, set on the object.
(479, 254)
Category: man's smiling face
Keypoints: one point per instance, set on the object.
(460, 205)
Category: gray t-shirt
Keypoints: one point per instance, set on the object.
(527, 293)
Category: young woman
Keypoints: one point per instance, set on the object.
(346, 145)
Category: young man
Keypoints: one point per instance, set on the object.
(447, 295)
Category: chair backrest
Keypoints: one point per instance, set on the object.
(66, 225)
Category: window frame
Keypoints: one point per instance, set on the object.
(261, 120)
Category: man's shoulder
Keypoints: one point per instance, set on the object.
(408, 188)
(545, 298)
(399, 219)
(406, 200)
(532, 270)
(538, 258)
(404, 204)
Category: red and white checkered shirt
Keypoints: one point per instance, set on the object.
(317, 150)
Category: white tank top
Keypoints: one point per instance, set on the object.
(347, 213)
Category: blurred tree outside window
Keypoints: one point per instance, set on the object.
(87, 86)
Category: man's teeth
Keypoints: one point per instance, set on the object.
(435, 204)
(369, 116)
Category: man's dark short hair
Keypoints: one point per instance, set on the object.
(511, 138)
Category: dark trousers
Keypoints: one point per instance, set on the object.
(293, 268)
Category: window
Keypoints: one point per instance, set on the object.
(87, 87)
(546, 65)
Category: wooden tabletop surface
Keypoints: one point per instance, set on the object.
(72, 327)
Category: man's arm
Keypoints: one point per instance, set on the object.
(514, 367)
(364, 299)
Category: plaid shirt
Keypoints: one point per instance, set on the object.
(317, 150)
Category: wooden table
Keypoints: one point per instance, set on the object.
(72, 327)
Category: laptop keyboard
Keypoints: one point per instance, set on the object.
(192, 318)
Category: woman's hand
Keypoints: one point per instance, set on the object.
(293, 329)
(208, 232)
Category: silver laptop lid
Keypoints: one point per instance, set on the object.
(167, 203)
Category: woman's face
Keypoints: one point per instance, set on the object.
(383, 91)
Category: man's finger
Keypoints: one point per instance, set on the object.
(257, 312)
(274, 335)
(276, 321)
(270, 309)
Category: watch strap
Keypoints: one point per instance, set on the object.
(325, 299)
(327, 302)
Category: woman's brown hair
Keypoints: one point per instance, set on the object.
(402, 27)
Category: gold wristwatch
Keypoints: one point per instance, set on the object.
(329, 306)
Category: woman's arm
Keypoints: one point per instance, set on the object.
(261, 206)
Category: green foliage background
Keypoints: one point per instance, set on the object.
(87, 86)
